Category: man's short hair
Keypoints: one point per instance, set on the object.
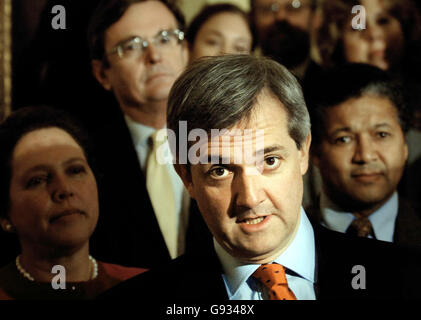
(218, 92)
(353, 80)
(109, 12)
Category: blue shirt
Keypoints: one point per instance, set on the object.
(298, 259)
(383, 220)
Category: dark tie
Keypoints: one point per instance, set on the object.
(360, 227)
(273, 277)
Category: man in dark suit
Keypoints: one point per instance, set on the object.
(245, 169)
(137, 52)
(359, 121)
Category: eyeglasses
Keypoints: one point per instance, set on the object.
(136, 46)
(291, 7)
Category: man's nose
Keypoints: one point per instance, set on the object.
(153, 53)
(280, 13)
(249, 190)
(365, 151)
(61, 189)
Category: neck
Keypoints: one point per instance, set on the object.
(153, 114)
(77, 264)
(344, 203)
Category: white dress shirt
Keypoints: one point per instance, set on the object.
(140, 135)
(298, 259)
(383, 220)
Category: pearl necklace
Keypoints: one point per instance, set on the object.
(28, 276)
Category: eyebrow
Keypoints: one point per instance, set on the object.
(382, 125)
(218, 159)
(348, 129)
(44, 167)
(273, 148)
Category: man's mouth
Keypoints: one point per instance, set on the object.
(253, 220)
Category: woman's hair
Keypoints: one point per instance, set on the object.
(208, 12)
(26, 120)
(338, 13)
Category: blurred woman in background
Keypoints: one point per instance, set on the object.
(219, 29)
(392, 32)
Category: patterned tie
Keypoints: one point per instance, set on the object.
(160, 189)
(360, 227)
(274, 278)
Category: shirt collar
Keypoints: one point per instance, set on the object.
(382, 220)
(139, 132)
(298, 257)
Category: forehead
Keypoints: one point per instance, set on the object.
(227, 23)
(373, 6)
(142, 19)
(365, 111)
(268, 119)
(37, 141)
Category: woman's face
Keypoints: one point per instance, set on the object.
(223, 33)
(53, 192)
(382, 42)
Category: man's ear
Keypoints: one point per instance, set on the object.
(185, 174)
(98, 70)
(304, 154)
(6, 225)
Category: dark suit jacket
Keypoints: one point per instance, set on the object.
(128, 232)
(392, 272)
(407, 226)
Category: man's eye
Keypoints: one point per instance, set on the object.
(343, 140)
(272, 163)
(219, 172)
(168, 39)
(131, 46)
(383, 134)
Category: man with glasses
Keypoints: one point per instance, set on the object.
(137, 52)
(283, 28)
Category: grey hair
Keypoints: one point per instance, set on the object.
(218, 92)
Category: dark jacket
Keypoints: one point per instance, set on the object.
(197, 277)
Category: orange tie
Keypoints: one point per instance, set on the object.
(274, 278)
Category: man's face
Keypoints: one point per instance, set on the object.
(146, 79)
(283, 28)
(253, 213)
(362, 153)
